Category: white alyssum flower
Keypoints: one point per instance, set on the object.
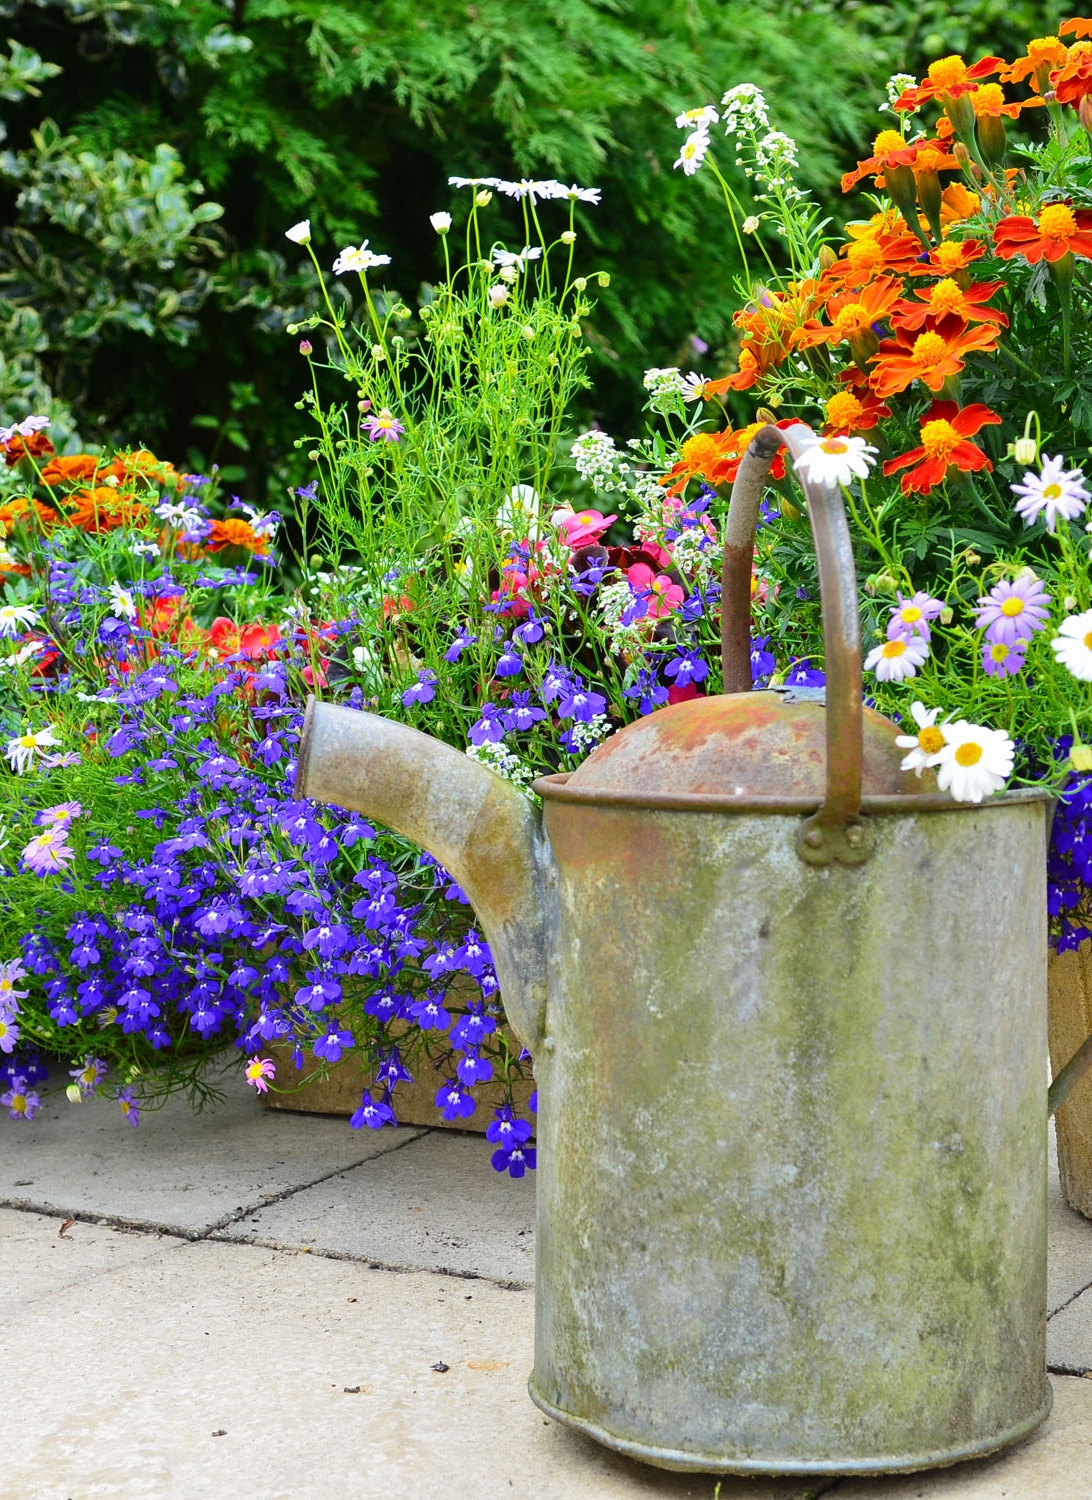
(299, 234)
(975, 762)
(594, 455)
(835, 460)
(697, 119)
(13, 616)
(897, 659)
(1072, 646)
(896, 86)
(693, 152)
(498, 758)
(440, 222)
(925, 746)
(1055, 491)
(122, 601)
(586, 735)
(359, 258)
(23, 748)
(665, 388)
(743, 108)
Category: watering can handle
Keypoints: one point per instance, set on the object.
(837, 831)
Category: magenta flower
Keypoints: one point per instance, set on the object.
(1013, 610)
(662, 594)
(383, 427)
(258, 1070)
(50, 852)
(911, 616)
(21, 1102)
(1000, 659)
(583, 527)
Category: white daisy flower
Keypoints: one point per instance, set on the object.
(926, 745)
(122, 601)
(498, 294)
(579, 194)
(897, 659)
(22, 656)
(12, 616)
(299, 234)
(835, 460)
(22, 750)
(472, 182)
(694, 386)
(1054, 491)
(975, 762)
(1072, 646)
(693, 152)
(440, 222)
(534, 191)
(359, 259)
(697, 119)
(517, 260)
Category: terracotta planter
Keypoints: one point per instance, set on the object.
(1069, 1021)
(414, 1103)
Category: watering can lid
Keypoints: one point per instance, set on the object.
(745, 745)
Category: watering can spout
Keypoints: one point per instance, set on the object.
(479, 827)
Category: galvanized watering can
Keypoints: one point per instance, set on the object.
(787, 1007)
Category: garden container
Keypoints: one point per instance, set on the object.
(787, 1006)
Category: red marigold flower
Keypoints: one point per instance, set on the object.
(944, 446)
(856, 409)
(947, 298)
(872, 255)
(851, 315)
(890, 150)
(1059, 230)
(1073, 79)
(18, 447)
(947, 78)
(950, 257)
(234, 532)
(930, 356)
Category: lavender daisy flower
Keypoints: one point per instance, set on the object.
(1002, 659)
(912, 616)
(1013, 610)
(49, 852)
(383, 427)
(1053, 492)
(21, 1102)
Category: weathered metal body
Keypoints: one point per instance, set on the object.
(787, 1008)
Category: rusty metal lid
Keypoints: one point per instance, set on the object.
(741, 745)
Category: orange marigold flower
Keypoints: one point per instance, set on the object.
(1073, 80)
(141, 463)
(234, 532)
(853, 410)
(74, 468)
(950, 258)
(873, 255)
(1043, 54)
(851, 315)
(104, 507)
(890, 150)
(947, 298)
(989, 103)
(944, 446)
(930, 356)
(947, 78)
(18, 447)
(1076, 26)
(1059, 230)
(768, 326)
(956, 204)
(20, 507)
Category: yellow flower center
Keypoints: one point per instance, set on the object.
(949, 254)
(1013, 606)
(1057, 222)
(928, 159)
(745, 436)
(947, 70)
(946, 297)
(699, 450)
(19, 1103)
(894, 648)
(969, 754)
(939, 438)
(999, 651)
(1051, 491)
(931, 739)
(928, 348)
(865, 255)
(888, 140)
(834, 445)
(1043, 48)
(910, 613)
(844, 410)
(45, 838)
(28, 741)
(1088, 641)
(852, 319)
(988, 99)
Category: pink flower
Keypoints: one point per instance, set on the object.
(664, 595)
(49, 852)
(258, 1069)
(583, 527)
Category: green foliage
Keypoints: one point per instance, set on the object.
(354, 116)
(915, 32)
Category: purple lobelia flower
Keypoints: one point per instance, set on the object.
(332, 1043)
(1014, 609)
(455, 1102)
(686, 668)
(423, 690)
(373, 1113)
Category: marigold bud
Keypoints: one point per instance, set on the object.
(992, 140)
(827, 258)
(1084, 113)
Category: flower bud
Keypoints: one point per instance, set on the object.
(569, 237)
(947, 615)
(527, 332)
(581, 283)
(1080, 757)
(305, 347)
(509, 274)
(750, 224)
(960, 111)
(364, 405)
(483, 197)
(1025, 450)
(292, 329)
(992, 140)
(314, 455)
(73, 1094)
(827, 258)
(378, 353)
(604, 278)
(1069, 603)
(1084, 114)
(440, 222)
(498, 295)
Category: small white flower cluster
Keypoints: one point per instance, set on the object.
(595, 458)
(500, 759)
(695, 556)
(971, 762)
(587, 736)
(744, 110)
(613, 599)
(775, 161)
(897, 85)
(666, 389)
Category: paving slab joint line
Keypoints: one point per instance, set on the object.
(1069, 1301)
(263, 1243)
(110, 1221)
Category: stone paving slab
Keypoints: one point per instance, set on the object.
(179, 1170)
(1069, 1263)
(1069, 1343)
(40, 1256)
(435, 1205)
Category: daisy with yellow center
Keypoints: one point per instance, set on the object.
(835, 460)
(925, 746)
(1072, 646)
(897, 658)
(975, 762)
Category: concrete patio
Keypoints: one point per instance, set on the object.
(274, 1307)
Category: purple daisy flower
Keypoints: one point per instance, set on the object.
(1013, 610)
(912, 616)
(1002, 659)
